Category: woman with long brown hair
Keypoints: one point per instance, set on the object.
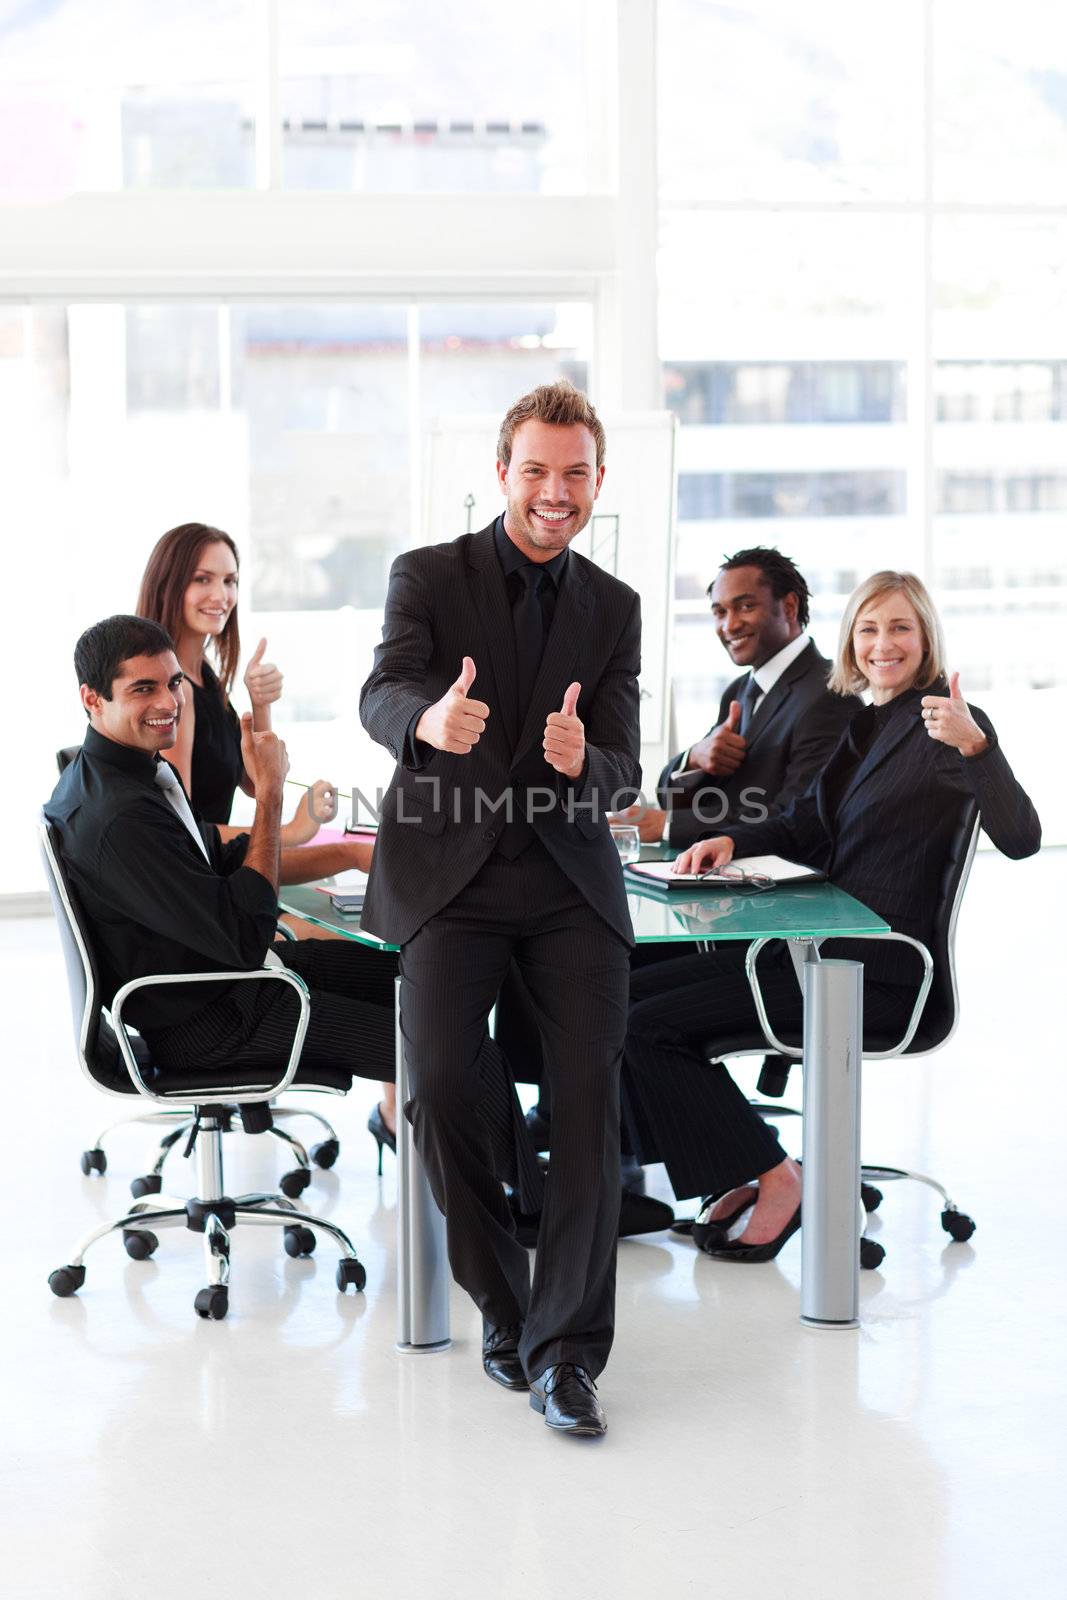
(190, 588)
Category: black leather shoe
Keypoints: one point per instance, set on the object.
(500, 1356)
(565, 1395)
(539, 1129)
(638, 1213)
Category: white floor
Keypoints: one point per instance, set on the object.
(290, 1450)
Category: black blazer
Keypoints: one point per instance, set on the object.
(796, 728)
(897, 811)
(437, 829)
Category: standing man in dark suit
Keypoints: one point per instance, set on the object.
(494, 844)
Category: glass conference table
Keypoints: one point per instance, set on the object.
(802, 914)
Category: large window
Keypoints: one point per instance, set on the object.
(869, 368)
(300, 429)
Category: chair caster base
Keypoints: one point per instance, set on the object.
(325, 1154)
(294, 1183)
(149, 1183)
(140, 1243)
(872, 1254)
(212, 1304)
(351, 1273)
(871, 1197)
(299, 1241)
(66, 1281)
(958, 1224)
(93, 1161)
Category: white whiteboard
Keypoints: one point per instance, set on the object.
(631, 533)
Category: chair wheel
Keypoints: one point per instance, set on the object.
(294, 1183)
(65, 1281)
(93, 1161)
(958, 1224)
(150, 1183)
(871, 1197)
(299, 1241)
(326, 1153)
(351, 1271)
(872, 1254)
(212, 1304)
(140, 1244)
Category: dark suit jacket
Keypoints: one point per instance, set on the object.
(888, 839)
(795, 729)
(447, 601)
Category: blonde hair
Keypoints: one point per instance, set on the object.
(558, 403)
(846, 678)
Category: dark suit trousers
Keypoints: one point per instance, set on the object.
(690, 1115)
(576, 969)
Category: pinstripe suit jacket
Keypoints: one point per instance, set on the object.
(888, 839)
(447, 601)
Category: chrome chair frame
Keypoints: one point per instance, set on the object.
(211, 1211)
(873, 1173)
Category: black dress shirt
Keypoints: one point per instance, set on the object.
(152, 902)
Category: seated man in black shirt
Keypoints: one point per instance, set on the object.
(163, 894)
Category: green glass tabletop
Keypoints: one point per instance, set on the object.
(796, 911)
(304, 900)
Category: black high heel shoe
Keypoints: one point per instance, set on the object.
(380, 1129)
(733, 1250)
(713, 1231)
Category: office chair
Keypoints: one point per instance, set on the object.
(180, 1121)
(119, 1062)
(933, 1021)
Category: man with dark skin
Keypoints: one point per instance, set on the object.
(777, 723)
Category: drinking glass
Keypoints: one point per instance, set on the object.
(627, 841)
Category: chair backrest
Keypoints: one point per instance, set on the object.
(942, 1009)
(65, 756)
(96, 1044)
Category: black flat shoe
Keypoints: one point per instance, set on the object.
(714, 1231)
(565, 1395)
(734, 1251)
(500, 1356)
(377, 1125)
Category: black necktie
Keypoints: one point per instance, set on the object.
(529, 622)
(748, 697)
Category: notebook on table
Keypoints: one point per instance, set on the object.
(739, 872)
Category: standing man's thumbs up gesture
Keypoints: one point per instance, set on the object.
(950, 721)
(564, 739)
(454, 723)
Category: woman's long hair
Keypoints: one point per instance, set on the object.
(166, 578)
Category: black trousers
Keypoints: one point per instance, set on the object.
(577, 971)
(688, 1114)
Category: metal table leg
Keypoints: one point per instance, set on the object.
(422, 1270)
(833, 1057)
